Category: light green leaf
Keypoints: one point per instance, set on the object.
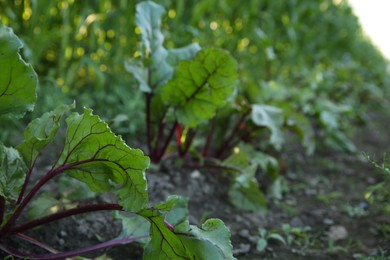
(261, 245)
(140, 73)
(244, 193)
(41, 206)
(277, 237)
(18, 80)
(200, 87)
(156, 68)
(186, 53)
(94, 155)
(272, 118)
(40, 132)
(12, 173)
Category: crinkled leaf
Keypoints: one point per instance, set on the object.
(212, 241)
(201, 86)
(272, 118)
(40, 132)
(12, 173)
(42, 206)
(94, 155)
(244, 193)
(18, 80)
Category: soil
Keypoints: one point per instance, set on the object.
(323, 203)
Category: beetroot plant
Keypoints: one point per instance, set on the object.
(94, 156)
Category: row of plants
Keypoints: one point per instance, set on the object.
(197, 104)
(94, 156)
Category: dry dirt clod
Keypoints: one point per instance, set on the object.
(337, 233)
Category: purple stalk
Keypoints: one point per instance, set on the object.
(26, 181)
(34, 190)
(159, 154)
(72, 253)
(148, 97)
(2, 209)
(227, 142)
(64, 214)
(209, 137)
(37, 243)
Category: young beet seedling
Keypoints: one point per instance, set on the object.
(92, 155)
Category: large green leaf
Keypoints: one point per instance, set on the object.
(185, 241)
(198, 88)
(157, 66)
(94, 155)
(17, 79)
(12, 173)
(272, 118)
(40, 132)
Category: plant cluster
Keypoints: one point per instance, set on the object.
(94, 156)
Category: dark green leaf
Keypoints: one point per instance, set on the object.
(201, 86)
(17, 78)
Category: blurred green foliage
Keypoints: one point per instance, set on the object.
(307, 56)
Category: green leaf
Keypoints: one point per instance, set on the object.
(18, 80)
(212, 241)
(200, 87)
(94, 155)
(41, 206)
(40, 132)
(272, 118)
(12, 173)
(244, 193)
